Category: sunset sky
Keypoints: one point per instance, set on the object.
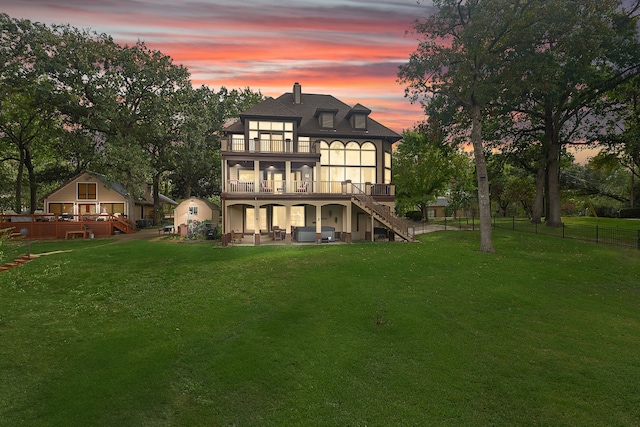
(350, 49)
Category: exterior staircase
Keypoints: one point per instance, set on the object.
(383, 214)
(123, 224)
(16, 262)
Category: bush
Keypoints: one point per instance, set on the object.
(629, 213)
(414, 215)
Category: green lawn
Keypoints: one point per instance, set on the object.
(544, 332)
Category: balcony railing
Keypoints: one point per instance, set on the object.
(257, 145)
(298, 187)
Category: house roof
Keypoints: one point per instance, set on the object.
(305, 113)
(212, 206)
(115, 186)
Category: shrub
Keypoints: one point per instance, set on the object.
(629, 213)
(414, 215)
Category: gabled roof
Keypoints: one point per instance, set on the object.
(115, 186)
(305, 113)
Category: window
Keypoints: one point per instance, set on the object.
(348, 162)
(87, 191)
(280, 216)
(193, 210)
(326, 120)
(387, 168)
(112, 208)
(359, 121)
(271, 135)
(250, 218)
(60, 208)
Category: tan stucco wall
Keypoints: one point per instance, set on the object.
(68, 194)
(205, 212)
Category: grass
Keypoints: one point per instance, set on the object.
(544, 332)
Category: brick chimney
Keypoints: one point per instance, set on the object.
(297, 93)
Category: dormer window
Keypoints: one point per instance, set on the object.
(359, 121)
(358, 117)
(326, 120)
(326, 117)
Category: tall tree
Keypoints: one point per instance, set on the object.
(622, 141)
(424, 168)
(129, 99)
(198, 172)
(568, 60)
(459, 64)
(27, 114)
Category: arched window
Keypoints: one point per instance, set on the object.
(352, 151)
(368, 154)
(336, 153)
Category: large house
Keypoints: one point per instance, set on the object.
(308, 168)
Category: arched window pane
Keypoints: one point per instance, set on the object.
(336, 153)
(353, 154)
(368, 154)
(324, 153)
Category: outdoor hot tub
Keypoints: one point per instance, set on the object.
(308, 234)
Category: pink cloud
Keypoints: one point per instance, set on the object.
(348, 48)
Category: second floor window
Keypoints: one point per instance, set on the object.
(87, 191)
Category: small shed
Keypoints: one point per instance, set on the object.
(195, 209)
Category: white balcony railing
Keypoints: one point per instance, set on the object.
(257, 145)
(298, 187)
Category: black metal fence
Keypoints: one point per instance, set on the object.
(588, 233)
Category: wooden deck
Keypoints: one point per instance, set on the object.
(50, 226)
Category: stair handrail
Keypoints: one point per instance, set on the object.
(124, 221)
(382, 211)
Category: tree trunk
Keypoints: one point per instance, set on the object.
(538, 203)
(187, 190)
(157, 205)
(18, 202)
(553, 179)
(484, 202)
(33, 185)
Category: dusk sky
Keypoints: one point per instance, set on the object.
(350, 49)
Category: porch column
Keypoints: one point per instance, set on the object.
(287, 177)
(346, 223)
(318, 223)
(256, 177)
(316, 179)
(287, 224)
(225, 176)
(256, 223)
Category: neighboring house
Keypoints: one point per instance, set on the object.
(89, 193)
(195, 209)
(309, 168)
(438, 209)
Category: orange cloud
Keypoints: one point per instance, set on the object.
(350, 49)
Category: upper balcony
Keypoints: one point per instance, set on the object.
(238, 144)
(300, 188)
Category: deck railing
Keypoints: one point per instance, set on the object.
(51, 226)
(257, 145)
(297, 187)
